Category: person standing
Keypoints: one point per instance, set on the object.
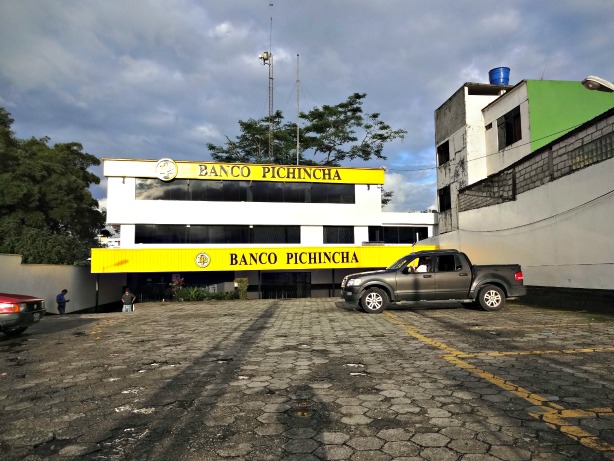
(128, 300)
(61, 300)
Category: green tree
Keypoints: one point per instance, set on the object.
(47, 213)
(386, 197)
(330, 136)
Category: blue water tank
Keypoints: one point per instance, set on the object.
(499, 76)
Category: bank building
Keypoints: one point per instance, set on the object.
(291, 231)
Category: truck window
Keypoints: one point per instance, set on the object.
(421, 264)
(447, 263)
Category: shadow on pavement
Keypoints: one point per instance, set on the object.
(186, 414)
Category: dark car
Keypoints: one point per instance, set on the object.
(18, 312)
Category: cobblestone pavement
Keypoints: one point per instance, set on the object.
(309, 379)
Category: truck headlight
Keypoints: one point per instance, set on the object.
(354, 282)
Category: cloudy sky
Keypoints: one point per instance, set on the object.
(162, 78)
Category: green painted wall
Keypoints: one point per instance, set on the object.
(556, 107)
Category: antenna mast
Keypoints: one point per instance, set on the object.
(267, 59)
(298, 128)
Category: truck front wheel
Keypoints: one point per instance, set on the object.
(491, 298)
(374, 301)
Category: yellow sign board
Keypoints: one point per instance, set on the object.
(118, 260)
(168, 169)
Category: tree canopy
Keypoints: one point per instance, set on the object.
(47, 212)
(330, 136)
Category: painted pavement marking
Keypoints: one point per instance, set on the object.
(532, 327)
(552, 414)
(583, 350)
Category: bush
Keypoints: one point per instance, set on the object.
(241, 285)
(201, 294)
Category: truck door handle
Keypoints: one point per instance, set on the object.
(427, 276)
(463, 274)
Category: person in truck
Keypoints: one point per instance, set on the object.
(423, 265)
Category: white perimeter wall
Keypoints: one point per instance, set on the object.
(47, 280)
(561, 232)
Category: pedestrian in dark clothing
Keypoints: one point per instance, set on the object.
(128, 300)
(61, 300)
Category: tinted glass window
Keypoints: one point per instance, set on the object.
(199, 234)
(376, 234)
(215, 191)
(267, 191)
(275, 234)
(142, 234)
(203, 234)
(397, 234)
(297, 192)
(345, 192)
(156, 233)
(244, 191)
(319, 193)
(338, 234)
(446, 263)
(235, 191)
(154, 189)
(217, 234)
(198, 190)
(406, 235)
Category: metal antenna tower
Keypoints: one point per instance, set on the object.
(267, 59)
(298, 112)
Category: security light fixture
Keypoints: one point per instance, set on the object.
(598, 84)
(266, 58)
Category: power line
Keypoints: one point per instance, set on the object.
(494, 153)
(592, 201)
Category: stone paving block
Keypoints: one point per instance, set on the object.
(271, 380)
(430, 439)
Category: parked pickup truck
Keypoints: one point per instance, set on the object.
(437, 275)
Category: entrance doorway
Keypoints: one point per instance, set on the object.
(285, 285)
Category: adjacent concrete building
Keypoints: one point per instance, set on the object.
(529, 180)
(483, 128)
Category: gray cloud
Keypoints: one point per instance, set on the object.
(145, 79)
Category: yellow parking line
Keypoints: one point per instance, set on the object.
(519, 391)
(554, 415)
(591, 413)
(558, 420)
(531, 327)
(425, 339)
(538, 352)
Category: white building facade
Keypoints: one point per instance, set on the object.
(291, 231)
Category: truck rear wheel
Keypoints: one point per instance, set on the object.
(374, 301)
(491, 298)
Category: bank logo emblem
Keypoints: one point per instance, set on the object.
(166, 169)
(202, 260)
